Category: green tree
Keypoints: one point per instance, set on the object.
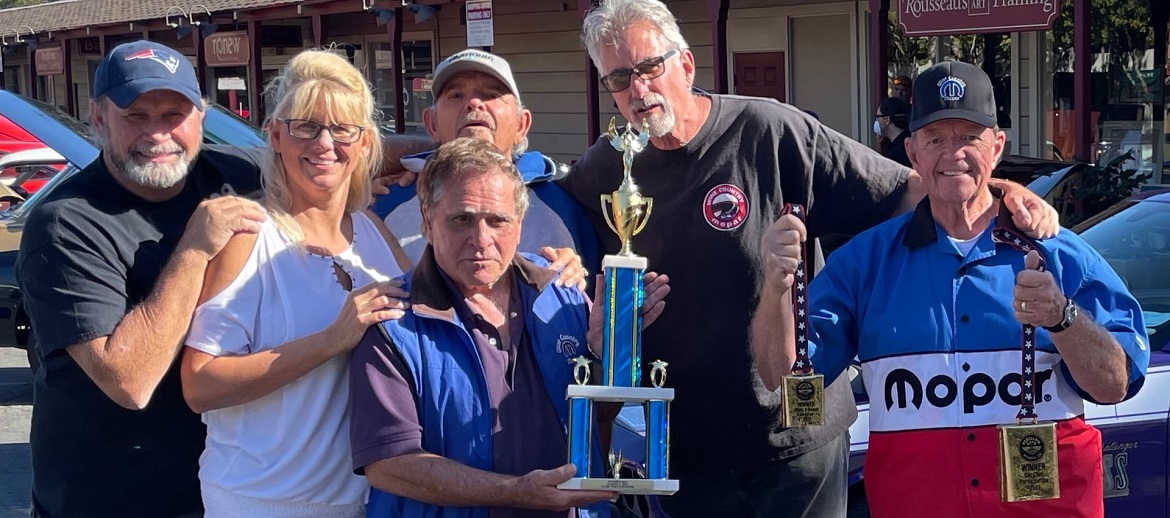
(8, 4)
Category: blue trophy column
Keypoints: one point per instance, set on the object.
(657, 438)
(622, 325)
(580, 431)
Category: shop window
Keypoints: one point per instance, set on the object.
(229, 87)
(418, 66)
(1122, 91)
(992, 52)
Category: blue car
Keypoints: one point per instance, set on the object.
(70, 138)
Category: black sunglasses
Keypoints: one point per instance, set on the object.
(306, 129)
(621, 78)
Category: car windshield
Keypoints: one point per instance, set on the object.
(1134, 237)
(64, 118)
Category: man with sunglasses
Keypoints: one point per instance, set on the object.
(721, 169)
(476, 96)
(111, 264)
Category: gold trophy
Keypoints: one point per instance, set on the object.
(626, 211)
(626, 206)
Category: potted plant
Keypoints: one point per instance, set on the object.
(1102, 185)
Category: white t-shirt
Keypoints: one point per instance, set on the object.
(286, 454)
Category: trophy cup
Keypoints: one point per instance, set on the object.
(626, 211)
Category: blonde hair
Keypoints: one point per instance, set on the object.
(320, 76)
(463, 158)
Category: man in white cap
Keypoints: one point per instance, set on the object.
(111, 264)
(476, 96)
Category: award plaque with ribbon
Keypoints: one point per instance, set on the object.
(1027, 449)
(626, 211)
(803, 401)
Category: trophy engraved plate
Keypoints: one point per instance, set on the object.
(804, 400)
(626, 212)
(1028, 467)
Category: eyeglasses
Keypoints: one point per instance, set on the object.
(621, 78)
(306, 129)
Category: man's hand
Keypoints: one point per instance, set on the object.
(566, 261)
(402, 177)
(780, 249)
(216, 220)
(655, 288)
(1037, 298)
(394, 147)
(537, 489)
(1030, 212)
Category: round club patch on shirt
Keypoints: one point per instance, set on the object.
(725, 207)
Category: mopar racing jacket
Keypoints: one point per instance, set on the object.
(940, 351)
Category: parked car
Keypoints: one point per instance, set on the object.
(69, 138)
(27, 171)
(1134, 237)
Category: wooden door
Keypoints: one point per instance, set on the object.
(760, 74)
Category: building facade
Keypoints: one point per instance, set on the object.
(831, 57)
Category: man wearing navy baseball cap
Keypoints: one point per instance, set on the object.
(111, 265)
(1007, 316)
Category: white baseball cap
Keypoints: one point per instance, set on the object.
(474, 60)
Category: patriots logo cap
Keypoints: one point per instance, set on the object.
(132, 69)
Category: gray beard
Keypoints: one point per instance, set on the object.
(661, 125)
(155, 176)
(657, 125)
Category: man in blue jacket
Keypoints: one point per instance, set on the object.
(476, 96)
(458, 409)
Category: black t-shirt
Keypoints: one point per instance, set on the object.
(897, 149)
(90, 252)
(713, 200)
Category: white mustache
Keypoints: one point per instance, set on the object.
(160, 149)
(647, 101)
(472, 117)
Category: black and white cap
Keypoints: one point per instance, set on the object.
(952, 90)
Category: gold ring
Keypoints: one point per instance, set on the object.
(1023, 306)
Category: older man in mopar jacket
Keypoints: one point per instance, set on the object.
(956, 324)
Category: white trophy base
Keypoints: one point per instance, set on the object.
(625, 486)
(620, 394)
(624, 261)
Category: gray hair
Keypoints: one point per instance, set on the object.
(463, 158)
(606, 22)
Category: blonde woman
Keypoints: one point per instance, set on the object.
(267, 353)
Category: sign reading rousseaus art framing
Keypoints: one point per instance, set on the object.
(948, 17)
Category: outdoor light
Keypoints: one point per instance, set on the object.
(178, 20)
(384, 14)
(205, 29)
(422, 13)
(32, 44)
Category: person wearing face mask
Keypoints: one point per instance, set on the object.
(890, 122)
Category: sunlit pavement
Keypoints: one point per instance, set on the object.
(15, 414)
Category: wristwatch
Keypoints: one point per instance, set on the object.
(1070, 314)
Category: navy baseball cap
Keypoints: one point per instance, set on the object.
(134, 68)
(952, 90)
